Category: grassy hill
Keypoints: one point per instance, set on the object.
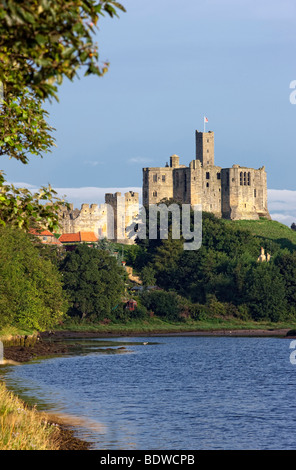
(268, 230)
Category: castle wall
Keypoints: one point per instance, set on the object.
(244, 193)
(182, 185)
(211, 190)
(88, 219)
(157, 184)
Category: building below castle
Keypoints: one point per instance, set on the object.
(232, 193)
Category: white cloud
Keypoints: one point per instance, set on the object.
(282, 205)
(141, 160)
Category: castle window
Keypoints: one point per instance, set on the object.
(208, 184)
(154, 193)
(255, 193)
(218, 176)
(155, 178)
(207, 150)
(245, 178)
(207, 175)
(249, 178)
(233, 180)
(163, 178)
(241, 178)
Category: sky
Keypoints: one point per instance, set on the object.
(171, 64)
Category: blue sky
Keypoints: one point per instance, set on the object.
(171, 63)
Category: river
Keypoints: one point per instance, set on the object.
(175, 392)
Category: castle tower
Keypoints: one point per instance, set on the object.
(122, 213)
(204, 142)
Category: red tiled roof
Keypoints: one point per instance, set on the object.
(78, 237)
(43, 233)
(88, 237)
(70, 237)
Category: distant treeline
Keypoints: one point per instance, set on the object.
(42, 286)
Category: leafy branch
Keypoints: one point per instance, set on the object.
(20, 208)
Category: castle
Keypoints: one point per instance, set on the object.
(232, 193)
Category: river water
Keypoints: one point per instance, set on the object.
(174, 393)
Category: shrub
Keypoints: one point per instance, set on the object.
(163, 304)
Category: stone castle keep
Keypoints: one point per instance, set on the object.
(232, 193)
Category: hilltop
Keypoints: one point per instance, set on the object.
(268, 230)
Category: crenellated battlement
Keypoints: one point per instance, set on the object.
(108, 220)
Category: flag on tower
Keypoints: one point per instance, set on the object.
(206, 119)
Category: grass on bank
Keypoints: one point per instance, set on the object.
(13, 331)
(268, 230)
(23, 428)
(158, 325)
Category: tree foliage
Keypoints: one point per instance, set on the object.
(24, 130)
(31, 293)
(43, 41)
(93, 281)
(223, 277)
(20, 208)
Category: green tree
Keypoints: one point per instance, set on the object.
(148, 276)
(93, 281)
(41, 43)
(162, 304)
(286, 263)
(265, 292)
(31, 293)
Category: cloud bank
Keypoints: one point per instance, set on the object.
(282, 205)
